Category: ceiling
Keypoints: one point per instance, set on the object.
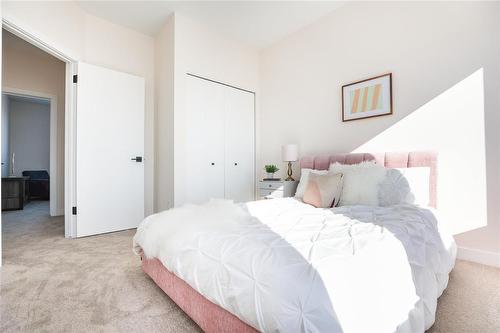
(257, 23)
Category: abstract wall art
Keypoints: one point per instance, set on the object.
(367, 98)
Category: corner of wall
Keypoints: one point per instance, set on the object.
(164, 113)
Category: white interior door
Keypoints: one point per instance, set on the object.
(110, 133)
(204, 140)
(239, 145)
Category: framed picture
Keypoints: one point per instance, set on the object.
(368, 98)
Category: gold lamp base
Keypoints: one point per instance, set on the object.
(289, 173)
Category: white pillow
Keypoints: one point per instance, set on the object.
(304, 179)
(418, 179)
(360, 182)
(394, 189)
(405, 186)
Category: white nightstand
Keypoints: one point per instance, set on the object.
(270, 189)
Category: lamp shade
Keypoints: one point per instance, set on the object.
(290, 152)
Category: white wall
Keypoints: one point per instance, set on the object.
(197, 50)
(31, 69)
(445, 60)
(200, 51)
(84, 37)
(5, 136)
(115, 47)
(29, 135)
(164, 84)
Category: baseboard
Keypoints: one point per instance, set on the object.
(479, 256)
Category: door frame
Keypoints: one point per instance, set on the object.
(69, 122)
(54, 166)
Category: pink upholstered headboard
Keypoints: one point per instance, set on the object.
(389, 160)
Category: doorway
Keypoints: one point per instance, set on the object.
(33, 133)
(104, 95)
(30, 144)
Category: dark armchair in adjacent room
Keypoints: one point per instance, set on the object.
(38, 184)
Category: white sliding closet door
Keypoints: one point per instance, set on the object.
(219, 142)
(239, 145)
(204, 140)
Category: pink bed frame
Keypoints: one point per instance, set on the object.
(209, 316)
(212, 318)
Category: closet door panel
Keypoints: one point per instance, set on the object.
(204, 140)
(239, 145)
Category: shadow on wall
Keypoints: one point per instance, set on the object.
(452, 124)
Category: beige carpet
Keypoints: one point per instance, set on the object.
(95, 284)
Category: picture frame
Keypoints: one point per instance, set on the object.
(367, 98)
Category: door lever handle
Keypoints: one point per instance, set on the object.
(138, 159)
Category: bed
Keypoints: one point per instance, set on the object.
(282, 265)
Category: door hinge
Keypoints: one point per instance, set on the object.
(75, 78)
(74, 210)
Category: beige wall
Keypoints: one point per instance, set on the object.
(83, 37)
(28, 68)
(445, 88)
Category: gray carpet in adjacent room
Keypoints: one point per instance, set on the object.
(95, 284)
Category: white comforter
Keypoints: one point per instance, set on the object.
(284, 266)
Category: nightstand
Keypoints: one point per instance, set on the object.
(270, 189)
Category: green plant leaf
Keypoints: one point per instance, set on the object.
(271, 168)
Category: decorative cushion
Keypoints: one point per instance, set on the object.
(361, 182)
(323, 191)
(304, 177)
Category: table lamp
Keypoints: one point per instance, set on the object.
(290, 153)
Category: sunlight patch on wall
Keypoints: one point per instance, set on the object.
(453, 125)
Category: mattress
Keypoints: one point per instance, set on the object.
(284, 266)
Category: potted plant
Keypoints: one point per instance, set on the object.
(271, 169)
